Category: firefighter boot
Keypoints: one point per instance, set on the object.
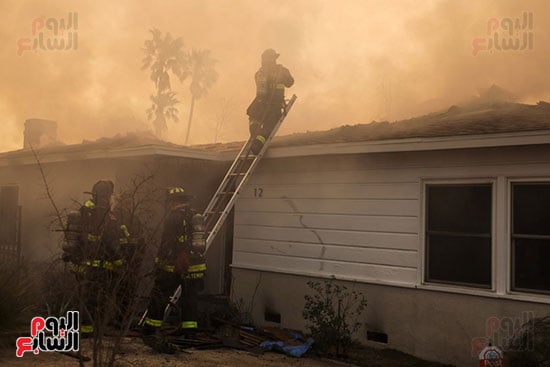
(257, 144)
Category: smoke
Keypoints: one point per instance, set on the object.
(354, 61)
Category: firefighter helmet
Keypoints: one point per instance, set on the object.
(177, 194)
(270, 54)
(103, 188)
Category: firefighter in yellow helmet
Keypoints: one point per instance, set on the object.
(179, 263)
(266, 109)
(93, 239)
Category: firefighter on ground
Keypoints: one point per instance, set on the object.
(179, 262)
(93, 239)
(266, 109)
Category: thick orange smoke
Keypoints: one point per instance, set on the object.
(354, 61)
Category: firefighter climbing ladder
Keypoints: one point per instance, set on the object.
(244, 164)
(223, 200)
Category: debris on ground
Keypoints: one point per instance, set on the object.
(227, 334)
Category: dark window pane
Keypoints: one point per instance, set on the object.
(459, 208)
(531, 270)
(531, 205)
(459, 260)
(8, 214)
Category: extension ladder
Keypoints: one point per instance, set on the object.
(244, 164)
(223, 200)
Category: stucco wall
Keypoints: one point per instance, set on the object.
(437, 326)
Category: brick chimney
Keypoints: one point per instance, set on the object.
(39, 133)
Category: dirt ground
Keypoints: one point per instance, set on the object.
(134, 353)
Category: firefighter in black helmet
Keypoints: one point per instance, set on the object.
(179, 263)
(93, 241)
(266, 109)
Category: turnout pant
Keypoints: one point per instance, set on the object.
(262, 127)
(94, 286)
(165, 285)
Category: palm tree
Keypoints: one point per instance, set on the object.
(203, 76)
(163, 109)
(164, 55)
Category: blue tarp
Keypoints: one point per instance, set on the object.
(291, 350)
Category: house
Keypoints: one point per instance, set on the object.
(441, 221)
(29, 225)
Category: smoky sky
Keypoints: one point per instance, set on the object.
(354, 61)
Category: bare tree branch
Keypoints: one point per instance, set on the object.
(47, 187)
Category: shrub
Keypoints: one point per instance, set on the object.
(332, 313)
(531, 348)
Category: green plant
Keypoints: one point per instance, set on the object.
(530, 348)
(240, 310)
(333, 313)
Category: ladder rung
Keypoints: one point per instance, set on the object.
(243, 165)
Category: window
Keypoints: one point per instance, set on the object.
(531, 237)
(458, 234)
(9, 223)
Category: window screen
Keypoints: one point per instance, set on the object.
(531, 237)
(458, 234)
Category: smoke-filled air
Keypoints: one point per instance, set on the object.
(354, 61)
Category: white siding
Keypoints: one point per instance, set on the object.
(388, 191)
(343, 222)
(357, 216)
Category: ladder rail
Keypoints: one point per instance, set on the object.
(224, 182)
(212, 234)
(223, 186)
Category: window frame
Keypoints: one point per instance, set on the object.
(510, 241)
(18, 231)
(423, 261)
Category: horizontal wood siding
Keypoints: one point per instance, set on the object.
(379, 207)
(400, 241)
(358, 215)
(388, 191)
(363, 223)
(323, 267)
(342, 222)
(367, 255)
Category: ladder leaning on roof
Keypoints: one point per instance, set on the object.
(223, 200)
(244, 164)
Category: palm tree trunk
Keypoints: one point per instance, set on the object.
(190, 119)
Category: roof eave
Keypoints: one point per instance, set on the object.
(140, 151)
(376, 146)
(415, 144)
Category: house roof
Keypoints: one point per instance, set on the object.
(456, 121)
(501, 120)
(131, 144)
